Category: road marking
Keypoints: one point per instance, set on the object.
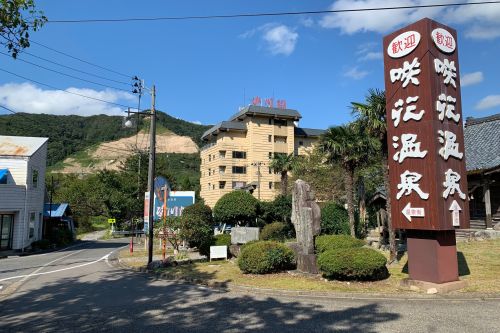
(43, 254)
(26, 276)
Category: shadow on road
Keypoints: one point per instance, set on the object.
(124, 301)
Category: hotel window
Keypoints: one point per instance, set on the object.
(222, 185)
(239, 185)
(222, 154)
(239, 154)
(270, 170)
(222, 170)
(280, 139)
(270, 121)
(269, 138)
(270, 185)
(208, 186)
(279, 122)
(239, 169)
(210, 158)
(270, 155)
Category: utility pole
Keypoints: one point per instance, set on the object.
(258, 164)
(151, 172)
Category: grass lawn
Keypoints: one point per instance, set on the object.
(479, 264)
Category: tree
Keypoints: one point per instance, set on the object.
(17, 19)
(372, 116)
(237, 207)
(282, 164)
(351, 148)
(197, 224)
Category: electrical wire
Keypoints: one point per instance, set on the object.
(74, 69)
(81, 60)
(264, 14)
(61, 73)
(66, 91)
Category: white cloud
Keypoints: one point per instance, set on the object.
(197, 122)
(307, 22)
(278, 38)
(355, 73)
(371, 56)
(26, 97)
(488, 102)
(366, 51)
(471, 79)
(482, 21)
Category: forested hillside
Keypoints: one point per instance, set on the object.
(70, 134)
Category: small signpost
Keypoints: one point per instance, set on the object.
(218, 252)
(428, 182)
(112, 222)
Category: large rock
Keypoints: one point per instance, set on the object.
(306, 218)
(243, 235)
(487, 234)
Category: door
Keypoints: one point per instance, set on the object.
(6, 231)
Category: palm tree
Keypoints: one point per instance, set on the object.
(372, 116)
(282, 164)
(351, 148)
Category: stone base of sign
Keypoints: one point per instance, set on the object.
(307, 263)
(234, 250)
(433, 288)
(432, 256)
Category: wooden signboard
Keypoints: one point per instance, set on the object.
(425, 132)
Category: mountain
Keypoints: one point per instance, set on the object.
(72, 134)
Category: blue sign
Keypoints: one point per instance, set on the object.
(177, 201)
(162, 192)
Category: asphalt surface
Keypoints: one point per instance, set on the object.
(81, 290)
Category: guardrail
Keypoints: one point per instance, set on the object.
(127, 232)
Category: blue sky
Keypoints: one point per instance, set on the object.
(204, 70)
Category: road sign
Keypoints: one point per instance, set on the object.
(111, 221)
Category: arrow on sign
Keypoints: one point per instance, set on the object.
(455, 213)
(410, 211)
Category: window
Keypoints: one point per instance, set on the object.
(279, 122)
(222, 154)
(34, 178)
(270, 121)
(239, 154)
(280, 139)
(222, 170)
(31, 231)
(209, 172)
(270, 155)
(270, 185)
(222, 185)
(213, 186)
(239, 169)
(239, 185)
(301, 143)
(208, 187)
(210, 158)
(270, 170)
(269, 138)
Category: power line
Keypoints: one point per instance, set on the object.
(66, 91)
(75, 69)
(264, 14)
(81, 60)
(18, 114)
(65, 74)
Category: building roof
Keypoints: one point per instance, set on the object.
(266, 111)
(225, 125)
(58, 209)
(482, 143)
(20, 145)
(306, 132)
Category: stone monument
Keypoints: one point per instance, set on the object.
(306, 218)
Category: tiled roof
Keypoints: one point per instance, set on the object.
(225, 125)
(482, 143)
(265, 111)
(308, 131)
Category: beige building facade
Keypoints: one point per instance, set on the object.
(237, 152)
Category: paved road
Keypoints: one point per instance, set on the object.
(77, 290)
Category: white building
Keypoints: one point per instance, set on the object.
(22, 190)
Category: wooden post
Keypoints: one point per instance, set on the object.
(487, 204)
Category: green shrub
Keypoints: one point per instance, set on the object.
(353, 264)
(236, 207)
(265, 257)
(218, 240)
(42, 244)
(61, 237)
(334, 242)
(274, 231)
(334, 219)
(197, 224)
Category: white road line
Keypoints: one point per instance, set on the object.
(27, 276)
(42, 254)
(57, 270)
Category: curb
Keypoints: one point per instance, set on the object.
(231, 287)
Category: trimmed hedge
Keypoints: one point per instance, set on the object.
(334, 219)
(218, 240)
(236, 207)
(274, 231)
(197, 224)
(353, 264)
(265, 257)
(334, 242)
